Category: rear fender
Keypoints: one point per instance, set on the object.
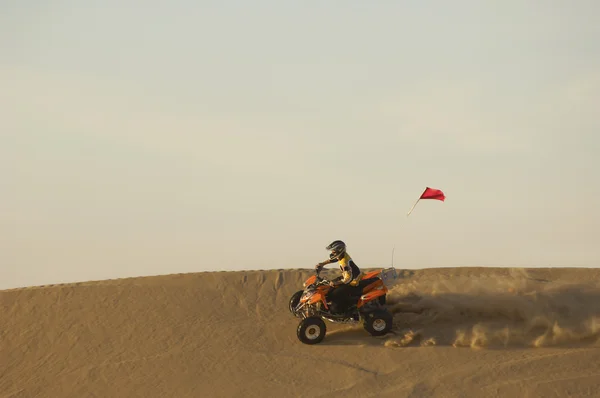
(372, 274)
(374, 285)
(372, 295)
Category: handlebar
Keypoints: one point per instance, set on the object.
(321, 280)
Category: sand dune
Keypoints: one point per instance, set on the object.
(459, 332)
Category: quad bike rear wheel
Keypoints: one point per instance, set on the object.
(311, 330)
(379, 322)
(294, 300)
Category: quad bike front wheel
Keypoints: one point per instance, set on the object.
(294, 300)
(378, 323)
(311, 330)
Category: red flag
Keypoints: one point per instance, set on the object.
(431, 193)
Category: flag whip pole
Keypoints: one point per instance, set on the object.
(411, 209)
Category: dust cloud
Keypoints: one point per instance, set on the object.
(492, 310)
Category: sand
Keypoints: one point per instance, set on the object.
(458, 332)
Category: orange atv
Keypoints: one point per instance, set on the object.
(312, 305)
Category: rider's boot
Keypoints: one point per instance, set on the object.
(333, 307)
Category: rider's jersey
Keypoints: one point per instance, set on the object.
(350, 271)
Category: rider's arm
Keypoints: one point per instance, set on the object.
(345, 278)
(346, 273)
(330, 261)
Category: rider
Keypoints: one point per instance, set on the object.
(345, 285)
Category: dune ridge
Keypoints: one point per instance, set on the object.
(457, 332)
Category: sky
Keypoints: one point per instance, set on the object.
(146, 138)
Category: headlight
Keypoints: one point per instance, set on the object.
(307, 295)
